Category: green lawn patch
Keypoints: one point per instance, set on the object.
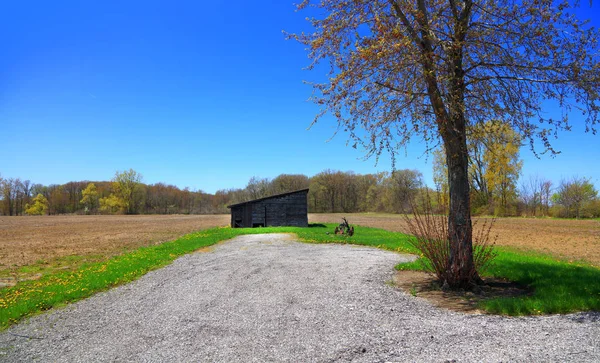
(559, 287)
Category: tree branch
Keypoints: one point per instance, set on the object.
(405, 22)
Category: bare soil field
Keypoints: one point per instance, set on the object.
(569, 239)
(27, 240)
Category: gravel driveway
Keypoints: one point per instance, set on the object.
(268, 298)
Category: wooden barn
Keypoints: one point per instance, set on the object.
(287, 209)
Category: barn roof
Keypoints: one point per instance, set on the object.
(269, 197)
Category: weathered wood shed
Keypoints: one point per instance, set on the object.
(287, 209)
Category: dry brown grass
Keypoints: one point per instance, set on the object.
(569, 239)
(26, 240)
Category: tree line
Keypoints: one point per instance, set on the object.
(495, 191)
(124, 194)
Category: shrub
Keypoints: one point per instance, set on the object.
(431, 239)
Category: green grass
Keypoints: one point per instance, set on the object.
(57, 288)
(43, 267)
(559, 287)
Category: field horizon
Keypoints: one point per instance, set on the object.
(44, 240)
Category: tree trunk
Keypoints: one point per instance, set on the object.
(452, 128)
(332, 200)
(462, 272)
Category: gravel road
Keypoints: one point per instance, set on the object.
(268, 298)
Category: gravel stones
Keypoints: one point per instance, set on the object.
(269, 298)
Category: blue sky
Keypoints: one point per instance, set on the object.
(198, 94)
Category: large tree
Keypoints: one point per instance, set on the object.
(433, 69)
(573, 195)
(127, 186)
(89, 198)
(494, 165)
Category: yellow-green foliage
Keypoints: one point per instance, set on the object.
(127, 186)
(502, 160)
(112, 204)
(90, 197)
(39, 206)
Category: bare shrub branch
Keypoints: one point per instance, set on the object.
(432, 240)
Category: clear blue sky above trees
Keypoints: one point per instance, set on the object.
(198, 94)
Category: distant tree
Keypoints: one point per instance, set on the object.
(112, 204)
(501, 159)
(527, 197)
(402, 187)
(364, 184)
(494, 167)
(18, 197)
(39, 206)
(440, 179)
(325, 189)
(74, 191)
(159, 198)
(546, 190)
(8, 190)
(89, 198)
(58, 199)
(481, 195)
(376, 193)
(289, 182)
(258, 188)
(574, 194)
(535, 194)
(432, 69)
(128, 187)
(39, 189)
(187, 201)
(14, 193)
(25, 192)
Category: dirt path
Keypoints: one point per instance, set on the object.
(268, 298)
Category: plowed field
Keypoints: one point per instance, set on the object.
(26, 240)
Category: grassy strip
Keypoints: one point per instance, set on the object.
(55, 289)
(560, 287)
(364, 236)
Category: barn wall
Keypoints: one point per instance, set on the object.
(285, 210)
(288, 210)
(241, 216)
